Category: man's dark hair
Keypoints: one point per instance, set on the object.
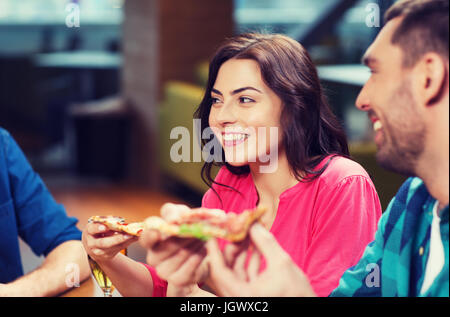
(424, 28)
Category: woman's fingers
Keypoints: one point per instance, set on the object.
(165, 249)
(112, 241)
(149, 238)
(103, 244)
(172, 212)
(96, 229)
(171, 263)
(184, 270)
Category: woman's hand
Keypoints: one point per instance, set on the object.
(180, 261)
(102, 244)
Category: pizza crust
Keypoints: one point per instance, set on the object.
(118, 224)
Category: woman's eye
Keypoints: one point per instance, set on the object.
(245, 100)
(215, 100)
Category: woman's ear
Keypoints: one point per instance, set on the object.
(432, 76)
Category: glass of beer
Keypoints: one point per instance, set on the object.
(101, 278)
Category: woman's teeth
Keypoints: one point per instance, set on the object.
(234, 137)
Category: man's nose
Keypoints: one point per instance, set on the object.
(363, 102)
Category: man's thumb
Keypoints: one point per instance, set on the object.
(266, 243)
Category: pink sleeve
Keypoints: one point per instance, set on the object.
(210, 200)
(345, 222)
(159, 285)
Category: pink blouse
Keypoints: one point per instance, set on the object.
(324, 225)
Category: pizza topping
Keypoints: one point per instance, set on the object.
(237, 223)
(118, 224)
(199, 223)
(194, 230)
(212, 216)
(206, 223)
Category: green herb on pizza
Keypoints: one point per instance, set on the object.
(206, 223)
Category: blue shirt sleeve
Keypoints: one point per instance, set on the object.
(42, 223)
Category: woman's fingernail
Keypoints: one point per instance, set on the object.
(101, 228)
(97, 251)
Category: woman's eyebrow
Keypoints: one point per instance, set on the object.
(236, 91)
(216, 91)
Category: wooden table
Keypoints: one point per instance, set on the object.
(86, 289)
(131, 203)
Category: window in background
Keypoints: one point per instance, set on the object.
(343, 43)
(275, 16)
(335, 34)
(47, 65)
(54, 11)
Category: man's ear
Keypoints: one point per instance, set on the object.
(432, 78)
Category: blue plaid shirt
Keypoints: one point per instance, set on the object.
(394, 263)
(28, 210)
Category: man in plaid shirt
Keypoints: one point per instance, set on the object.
(407, 100)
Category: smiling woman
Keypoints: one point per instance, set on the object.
(246, 119)
(273, 76)
(264, 103)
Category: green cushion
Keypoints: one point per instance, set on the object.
(177, 110)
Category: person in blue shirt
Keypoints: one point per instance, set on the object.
(28, 211)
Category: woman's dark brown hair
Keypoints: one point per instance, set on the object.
(310, 131)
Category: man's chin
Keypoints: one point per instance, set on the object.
(394, 163)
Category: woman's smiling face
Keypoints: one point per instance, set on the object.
(245, 113)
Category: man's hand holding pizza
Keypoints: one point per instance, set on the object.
(231, 277)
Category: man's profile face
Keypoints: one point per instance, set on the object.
(387, 97)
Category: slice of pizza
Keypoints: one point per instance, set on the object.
(119, 224)
(206, 223)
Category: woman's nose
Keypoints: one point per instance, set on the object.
(225, 115)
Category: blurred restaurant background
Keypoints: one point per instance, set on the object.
(90, 89)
